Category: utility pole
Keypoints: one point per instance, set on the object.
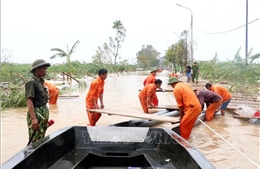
(246, 50)
(191, 29)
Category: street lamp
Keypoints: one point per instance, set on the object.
(191, 27)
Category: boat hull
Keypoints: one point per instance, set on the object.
(88, 147)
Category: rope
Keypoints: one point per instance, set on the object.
(229, 144)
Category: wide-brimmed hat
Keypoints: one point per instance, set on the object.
(154, 70)
(38, 63)
(173, 80)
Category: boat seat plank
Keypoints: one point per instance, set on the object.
(136, 115)
(70, 160)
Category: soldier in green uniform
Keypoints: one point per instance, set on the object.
(37, 97)
(195, 72)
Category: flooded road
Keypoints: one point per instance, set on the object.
(121, 93)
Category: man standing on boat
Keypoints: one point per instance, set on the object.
(223, 92)
(37, 97)
(147, 94)
(150, 80)
(188, 104)
(212, 100)
(94, 94)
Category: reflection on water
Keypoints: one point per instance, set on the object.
(121, 93)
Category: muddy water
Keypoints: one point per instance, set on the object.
(239, 150)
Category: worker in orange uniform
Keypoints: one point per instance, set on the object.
(188, 104)
(147, 93)
(173, 74)
(53, 92)
(224, 93)
(212, 100)
(150, 80)
(95, 92)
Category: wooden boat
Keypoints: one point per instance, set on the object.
(81, 147)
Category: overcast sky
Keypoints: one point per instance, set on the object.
(31, 28)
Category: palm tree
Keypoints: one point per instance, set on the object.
(62, 54)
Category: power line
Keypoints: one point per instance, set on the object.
(206, 12)
(228, 30)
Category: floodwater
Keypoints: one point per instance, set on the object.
(230, 144)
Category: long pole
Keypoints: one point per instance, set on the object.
(191, 29)
(251, 161)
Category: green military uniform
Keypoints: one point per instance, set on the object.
(34, 88)
(195, 73)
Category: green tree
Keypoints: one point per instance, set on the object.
(148, 57)
(115, 44)
(61, 53)
(111, 50)
(254, 57)
(184, 45)
(5, 55)
(251, 58)
(177, 54)
(171, 56)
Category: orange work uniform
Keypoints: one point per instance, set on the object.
(53, 92)
(223, 92)
(96, 89)
(212, 100)
(173, 75)
(186, 98)
(147, 92)
(150, 80)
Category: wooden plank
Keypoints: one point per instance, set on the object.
(244, 99)
(254, 107)
(69, 96)
(136, 115)
(171, 107)
(175, 107)
(242, 96)
(245, 102)
(245, 117)
(230, 107)
(166, 90)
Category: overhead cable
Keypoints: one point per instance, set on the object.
(228, 30)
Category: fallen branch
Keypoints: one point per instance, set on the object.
(70, 76)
